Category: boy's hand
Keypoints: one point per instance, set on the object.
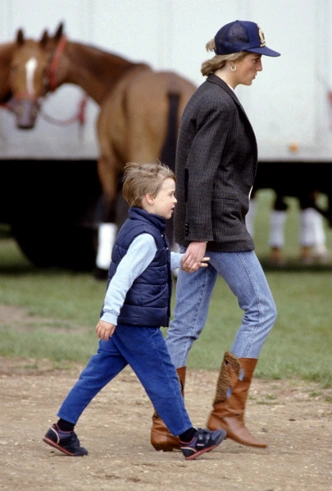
(202, 264)
(104, 330)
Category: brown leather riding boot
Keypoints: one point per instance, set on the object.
(231, 395)
(161, 438)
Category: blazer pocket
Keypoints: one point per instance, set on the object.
(226, 218)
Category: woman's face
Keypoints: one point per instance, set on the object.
(247, 68)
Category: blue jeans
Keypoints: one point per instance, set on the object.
(144, 349)
(246, 279)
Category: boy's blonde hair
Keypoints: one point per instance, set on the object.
(142, 179)
(219, 61)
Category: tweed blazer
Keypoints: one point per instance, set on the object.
(216, 164)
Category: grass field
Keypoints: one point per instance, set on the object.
(62, 309)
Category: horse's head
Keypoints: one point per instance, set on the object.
(29, 80)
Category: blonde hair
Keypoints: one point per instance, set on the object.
(142, 179)
(219, 61)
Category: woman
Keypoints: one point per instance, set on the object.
(216, 164)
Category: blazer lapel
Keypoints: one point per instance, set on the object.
(216, 80)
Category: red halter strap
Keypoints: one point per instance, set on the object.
(51, 73)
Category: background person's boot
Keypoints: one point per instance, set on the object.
(230, 400)
(161, 437)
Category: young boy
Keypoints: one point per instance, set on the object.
(136, 305)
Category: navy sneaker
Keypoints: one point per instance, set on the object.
(204, 441)
(65, 441)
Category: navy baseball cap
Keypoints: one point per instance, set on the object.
(242, 35)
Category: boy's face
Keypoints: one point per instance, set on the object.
(163, 204)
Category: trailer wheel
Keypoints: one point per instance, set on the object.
(54, 212)
(62, 245)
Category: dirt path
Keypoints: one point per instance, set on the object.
(294, 418)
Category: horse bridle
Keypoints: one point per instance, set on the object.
(51, 77)
(52, 69)
(52, 82)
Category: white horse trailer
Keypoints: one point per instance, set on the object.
(50, 191)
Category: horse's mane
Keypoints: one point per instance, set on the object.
(6, 52)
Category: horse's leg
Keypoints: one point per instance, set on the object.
(312, 238)
(320, 250)
(251, 215)
(277, 233)
(107, 228)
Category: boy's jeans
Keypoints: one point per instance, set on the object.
(144, 349)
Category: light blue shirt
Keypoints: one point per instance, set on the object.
(139, 255)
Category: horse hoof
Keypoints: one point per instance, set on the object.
(100, 274)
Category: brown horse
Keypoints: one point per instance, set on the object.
(140, 109)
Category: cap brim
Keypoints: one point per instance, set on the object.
(264, 51)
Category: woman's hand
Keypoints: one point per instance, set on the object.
(194, 257)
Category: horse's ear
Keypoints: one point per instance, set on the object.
(44, 38)
(20, 37)
(59, 32)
